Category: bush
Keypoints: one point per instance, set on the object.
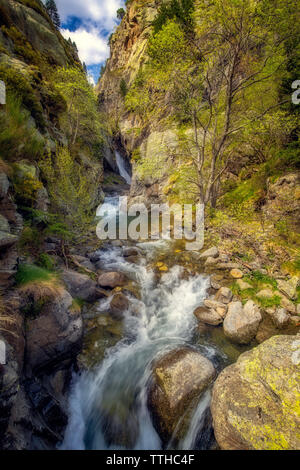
(45, 261)
(19, 85)
(18, 136)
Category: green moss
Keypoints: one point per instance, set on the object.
(46, 262)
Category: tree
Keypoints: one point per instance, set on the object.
(219, 81)
(53, 12)
(120, 13)
(81, 121)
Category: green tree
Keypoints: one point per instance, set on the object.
(53, 12)
(69, 189)
(120, 13)
(81, 121)
(219, 82)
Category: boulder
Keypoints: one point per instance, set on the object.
(236, 274)
(243, 285)
(289, 287)
(241, 324)
(219, 307)
(280, 317)
(210, 261)
(81, 286)
(112, 280)
(179, 379)
(130, 251)
(209, 317)
(210, 253)
(118, 306)
(55, 334)
(224, 295)
(255, 402)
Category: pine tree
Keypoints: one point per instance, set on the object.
(53, 12)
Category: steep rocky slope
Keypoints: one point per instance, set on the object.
(40, 322)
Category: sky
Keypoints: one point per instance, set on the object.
(89, 23)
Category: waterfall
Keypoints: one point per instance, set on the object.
(122, 169)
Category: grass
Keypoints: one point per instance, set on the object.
(257, 279)
(28, 273)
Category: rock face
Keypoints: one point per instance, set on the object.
(255, 403)
(179, 378)
(55, 335)
(241, 324)
(10, 228)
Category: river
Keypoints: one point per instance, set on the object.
(108, 404)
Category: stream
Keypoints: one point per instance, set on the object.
(108, 404)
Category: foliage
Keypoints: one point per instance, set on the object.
(120, 13)
(81, 121)
(53, 12)
(18, 135)
(19, 84)
(69, 188)
(221, 81)
(123, 88)
(180, 10)
(45, 261)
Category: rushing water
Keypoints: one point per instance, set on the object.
(108, 406)
(122, 168)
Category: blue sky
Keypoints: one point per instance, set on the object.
(89, 23)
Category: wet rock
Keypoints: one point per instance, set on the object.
(81, 286)
(210, 253)
(55, 334)
(118, 306)
(241, 324)
(131, 251)
(224, 295)
(255, 401)
(209, 317)
(112, 280)
(179, 379)
(236, 274)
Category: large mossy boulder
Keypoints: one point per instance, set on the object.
(179, 379)
(256, 401)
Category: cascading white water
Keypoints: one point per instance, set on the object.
(122, 168)
(108, 407)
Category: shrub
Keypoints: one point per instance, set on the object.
(19, 85)
(45, 261)
(18, 137)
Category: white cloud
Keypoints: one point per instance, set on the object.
(92, 47)
(100, 11)
(91, 80)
